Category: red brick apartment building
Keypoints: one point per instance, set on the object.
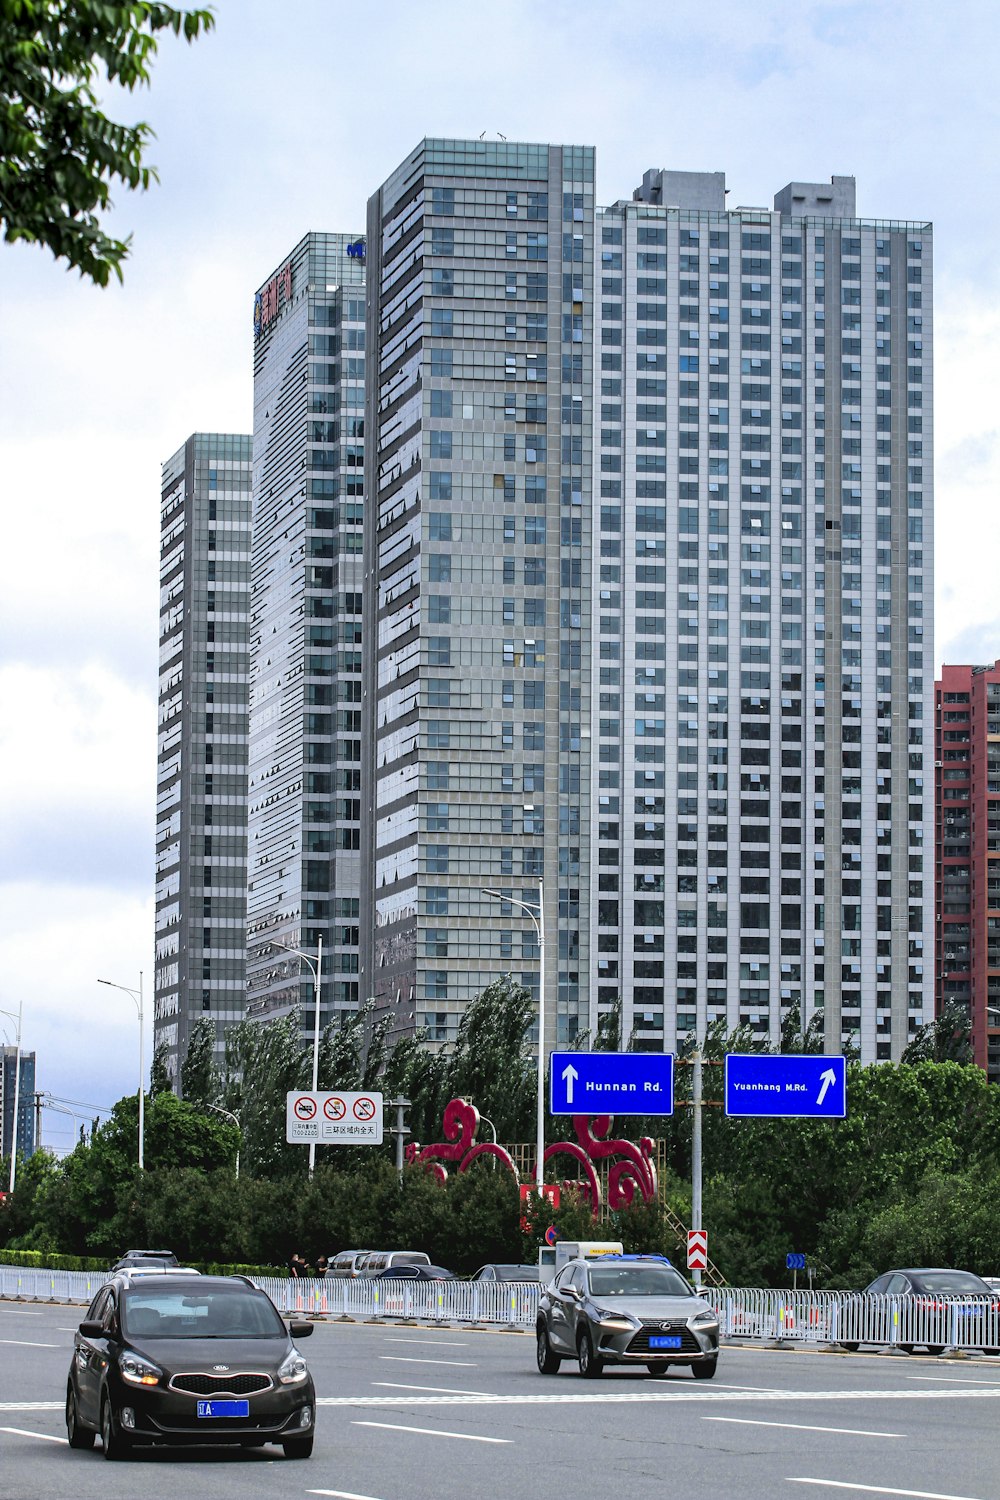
(967, 851)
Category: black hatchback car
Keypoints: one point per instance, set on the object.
(180, 1360)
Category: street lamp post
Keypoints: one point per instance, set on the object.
(17, 1087)
(235, 1119)
(539, 922)
(316, 967)
(137, 999)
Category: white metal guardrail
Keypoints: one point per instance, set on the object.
(845, 1318)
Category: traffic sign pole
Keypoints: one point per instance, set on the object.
(696, 1151)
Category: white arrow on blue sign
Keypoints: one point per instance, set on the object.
(614, 1083)
(798, 1086)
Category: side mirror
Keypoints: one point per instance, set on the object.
(92, 1330)
(301, 1330)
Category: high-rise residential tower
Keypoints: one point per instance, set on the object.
(478, 569)
(305, 630)
(202, 746)
(764, 571)
(967, 874)
(666, 641)
(25, 1089)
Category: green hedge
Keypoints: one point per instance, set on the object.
(43, 1259)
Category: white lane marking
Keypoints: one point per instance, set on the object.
(30, 1344)
(688, 1391)
(17, 1312)
(31, 1405)
(402, 1359)
(767, 1390)
(467, 1437)
(61, 1329)
(878, 1489)
(437, 1390)
(955, 1380)
(445, 1343)
(341, 1494)
(804, 1427)
(46, 1437)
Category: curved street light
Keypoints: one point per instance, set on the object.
(529, 910)
(137, 999)
(217, 1108)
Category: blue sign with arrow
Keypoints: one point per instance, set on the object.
(613, 1083)
(795, 1261)
(799, 1086)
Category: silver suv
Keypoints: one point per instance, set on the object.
(625, 1309)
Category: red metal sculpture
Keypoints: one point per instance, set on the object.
(634, 1172)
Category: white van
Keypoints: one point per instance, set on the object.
(384, 1260)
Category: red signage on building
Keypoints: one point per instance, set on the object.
(271, 299)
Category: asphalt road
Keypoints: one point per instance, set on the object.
(418, 1413)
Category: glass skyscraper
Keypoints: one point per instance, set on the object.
(305, 629)
(478, 568)
(202, 741)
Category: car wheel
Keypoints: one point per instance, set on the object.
(658, 1366)
(115, 1445)
(298, 1447)
(704, 1369)
(76, 1436)
(852, 1347)
(591, 1364)
(548, 1363)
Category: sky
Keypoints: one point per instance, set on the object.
(283, 121)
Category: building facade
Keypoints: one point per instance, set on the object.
(305, 630)
(202, 742)
(665, 640)
(478, 567)
(26, 1142)
(967, 874)
(763, 659)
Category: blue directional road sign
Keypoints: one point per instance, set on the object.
(796, 1086)
(795, 1262)
(614, 1083)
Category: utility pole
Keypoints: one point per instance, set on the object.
(38, 1121)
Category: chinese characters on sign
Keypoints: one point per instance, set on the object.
(333, 1117)
(270, 300)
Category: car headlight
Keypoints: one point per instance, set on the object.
(610, 1319)
(706, 1320)
(138, 1371)
(293, 1369)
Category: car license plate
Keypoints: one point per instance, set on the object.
(664, 1341)
(223, 1408)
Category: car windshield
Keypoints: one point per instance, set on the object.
(952, 1284)
(516, 1273)
(177, 1313)
(637, 1281)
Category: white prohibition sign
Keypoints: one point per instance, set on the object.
(305, 1108)
(364, 1108)
(334, 1108)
